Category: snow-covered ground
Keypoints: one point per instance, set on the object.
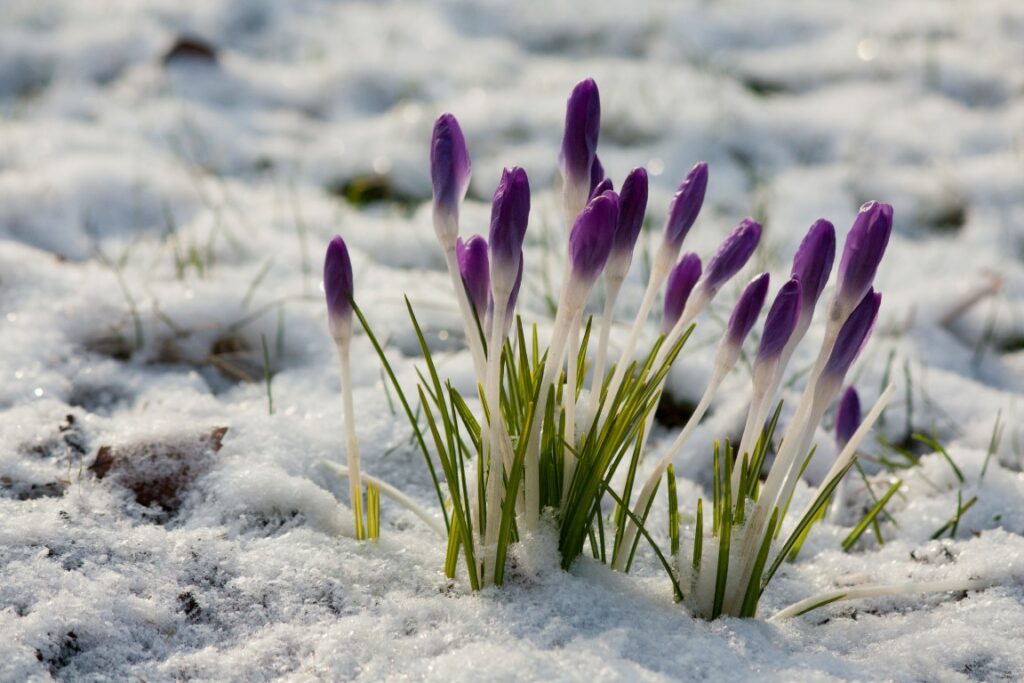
(163, 220)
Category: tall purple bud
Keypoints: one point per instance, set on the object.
(632, 206)
(510, 212)
(476, 276)
(847, 416)
(748, 308)
(732, 255)
(449, 173)
(579, 142)
(812, 265)
(597, 176)
(781, 321)
(864, 248)
(590, 241)
(677, 291)
(686, 205)
(338, 290)
(852, 337)
(602, 187)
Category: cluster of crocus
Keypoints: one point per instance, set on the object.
(540, 441)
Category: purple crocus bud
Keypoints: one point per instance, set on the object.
(686, 204)
(812, 264)
(733, 254)
(781, 321)
(864, 248)
(680, 283)
(590, 241)
(449, 173)
(579, 142)
(632, 207)
(338, 289)
(748, 308)
(847, 416)
(476, 275)
(602, 187)
(853, 336)
(597, 176)
(510, 212)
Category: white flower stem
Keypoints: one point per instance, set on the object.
(351, 442)
(569, 403)
(663, 259)
(394, 494)
(492, 391)
(765, 385)
(612, 288)
(908, 588)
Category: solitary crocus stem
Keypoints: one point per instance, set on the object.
(682, 214)
(392, 493)
(743, 317)
(338, 288)
(510, 213)
(908, 588)
(449, 174)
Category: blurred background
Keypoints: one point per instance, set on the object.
(196, 157)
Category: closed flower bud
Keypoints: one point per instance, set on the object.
(476, 276)
(680, 283)
(812, 264)
(449, 173)
(733, 254)
(781, 321)
(853, 336)
(510, 213)
(579, 142)
(748, 308)
(590, 241)
(847, 416)
(338, 289)
(686, 205)
(602, 187)
(863, 251)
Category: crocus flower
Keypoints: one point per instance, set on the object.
(632, 207)
(510, 212)
(812, 264)
(781, 321)
(449, 173)
(512, 298)
(864, 248)
(680, 283)
(847, 416)
(853, 336)
(579, 142)
(338, 289)
(476, 276)
(748, 308)
(597, 176)
(733, 254)
(590, 241)
(686, 204)
(602, 187)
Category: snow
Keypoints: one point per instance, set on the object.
(160, 222)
